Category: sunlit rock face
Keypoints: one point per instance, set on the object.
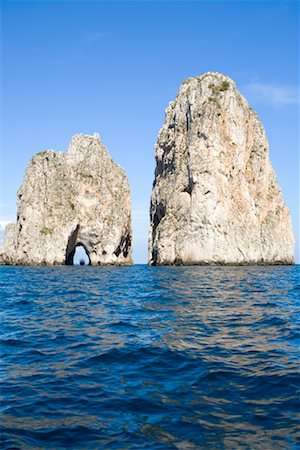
(215, 197)
(67, 199)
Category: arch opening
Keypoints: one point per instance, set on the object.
(76, 252)
(81, 256)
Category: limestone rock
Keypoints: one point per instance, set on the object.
(78, 197)
(215, 197)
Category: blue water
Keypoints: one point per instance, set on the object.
(150, 357)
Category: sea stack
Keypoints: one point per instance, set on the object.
(80, 197)
(215, 197)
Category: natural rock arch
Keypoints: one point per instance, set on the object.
(73, 243)
(81, 196)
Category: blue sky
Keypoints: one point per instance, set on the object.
(113, 67)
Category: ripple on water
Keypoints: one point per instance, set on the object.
(141, 357)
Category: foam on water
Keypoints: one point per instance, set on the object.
(150, 357)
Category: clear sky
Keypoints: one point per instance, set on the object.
(113, 67)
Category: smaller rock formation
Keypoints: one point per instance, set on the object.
(80, 197)
(215, 197)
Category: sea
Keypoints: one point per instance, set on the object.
(150, 357)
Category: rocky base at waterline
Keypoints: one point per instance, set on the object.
(215, 197)
(80, 197)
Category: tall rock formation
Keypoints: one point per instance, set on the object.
(215, 197)
(78, 197)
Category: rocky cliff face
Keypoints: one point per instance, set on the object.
(67, 199)
(215, 197)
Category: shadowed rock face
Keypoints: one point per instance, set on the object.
(78, 197)
(215, 197)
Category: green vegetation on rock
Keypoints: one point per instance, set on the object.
(215, 101)
(224, 86)
(46, 231)
(86, 175)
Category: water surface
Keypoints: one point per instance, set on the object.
(150, 357)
